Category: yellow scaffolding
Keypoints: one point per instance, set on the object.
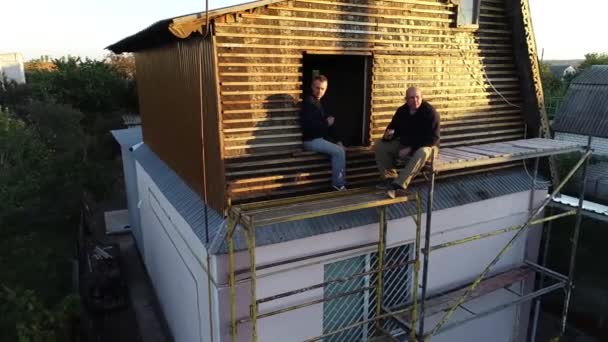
(251, 216)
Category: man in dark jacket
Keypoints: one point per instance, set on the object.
(316, 126)
(412, 136)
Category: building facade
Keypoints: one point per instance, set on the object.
(219, 95)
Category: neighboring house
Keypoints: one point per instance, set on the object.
(11, 65)
(219, 94)
(584, 113)
(561, 71)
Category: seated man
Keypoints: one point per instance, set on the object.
(412, 135)
(316, 132)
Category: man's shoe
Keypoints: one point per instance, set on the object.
(339, 188)
(396, 191)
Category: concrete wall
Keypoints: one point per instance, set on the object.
(177, 264)
(11, 65)
(449, 267)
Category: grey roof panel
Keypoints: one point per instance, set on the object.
(128, 137)
(185, 200)
(595, 74)
(449, 193)
(585, 108)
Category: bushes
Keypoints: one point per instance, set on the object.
(54, 143)
(34, 321)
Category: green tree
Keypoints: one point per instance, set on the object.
(54, 142)
(552, 85)
(24, 163)
(27, 318)
(124, 64)
(553, 88)
(593, 59)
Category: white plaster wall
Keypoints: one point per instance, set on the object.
(497, 327)
(448, 268)
(177, 264)
(131, 187)
(599, 145)
(11, 65)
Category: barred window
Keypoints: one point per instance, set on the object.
(361, 304)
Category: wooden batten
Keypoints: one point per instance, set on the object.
(409, 43)
(230, 100)
(178, 99)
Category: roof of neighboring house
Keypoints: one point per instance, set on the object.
(458, 191)
(558, 70)
(585, 107)
(600, 211)
(167, 30)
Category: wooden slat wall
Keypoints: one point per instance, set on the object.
(413, 43)
(169, 86)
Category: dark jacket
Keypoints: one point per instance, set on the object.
(418, 130)
(313, 120)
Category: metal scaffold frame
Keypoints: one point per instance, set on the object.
(245, 216)
(251, 216)
(563, 281)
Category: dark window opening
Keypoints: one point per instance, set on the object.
(468, 13)
(347, 96)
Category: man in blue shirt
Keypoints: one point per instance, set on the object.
(316, 132)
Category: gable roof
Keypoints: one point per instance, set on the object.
(171, 29)
(455, 192)
(585, 108)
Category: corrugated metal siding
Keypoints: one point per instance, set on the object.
(179, 106)
(413, 43)
(585, 107)
(211, 131)
(169, 86)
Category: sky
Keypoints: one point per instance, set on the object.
(564, 29)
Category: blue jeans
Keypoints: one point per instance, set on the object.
(338, 158)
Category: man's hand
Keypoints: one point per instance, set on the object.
(330, 120)
(388, 134)
(404, 152)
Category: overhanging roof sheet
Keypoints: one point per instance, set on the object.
(167, 30)
(450, 193)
